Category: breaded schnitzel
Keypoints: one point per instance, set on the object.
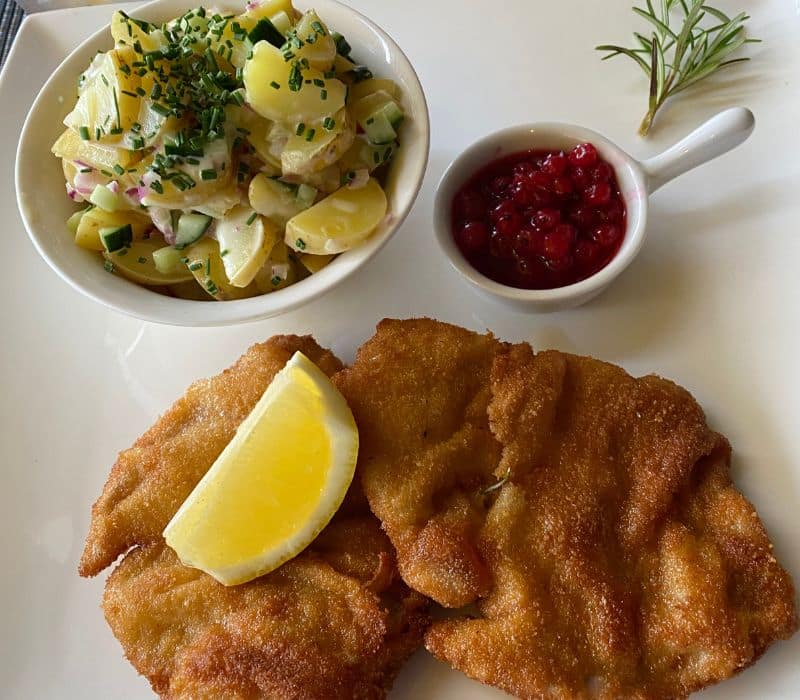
(594, 522)
(335, 622)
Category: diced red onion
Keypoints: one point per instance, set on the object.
(86, 182)
(113, 186)
(163, 222)
(73, 194)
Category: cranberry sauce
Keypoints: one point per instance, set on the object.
(541, 219)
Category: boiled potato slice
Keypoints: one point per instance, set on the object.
(367, 87)
(88, 234)
(314, 263)
(208, 269)
(136, 263)
(270, 8)
(266, 137)
(273, 199)
(110, 100)
(318, 48)
(266, 80)
(303, 155)
(128, 31)
(339, 222)
(245, 239)
(70, 146)
(278, 272)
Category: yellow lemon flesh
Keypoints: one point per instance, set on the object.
(276, 485)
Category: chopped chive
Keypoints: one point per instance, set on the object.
(156, 186)
(84, 132)
(276, 280)
(116, 107)
(142, 261)
(300, 244)
(319, 83)
(223, 253)
(310, 134)
(252, 218)
(208, 266)
(329, 123)
(155, 93)
(323, 94)
(141, 91)
(209, 174)
(275, 85)
(195, 266)
(300, 129)
(118, 169)
(158, 108)
(108, 266)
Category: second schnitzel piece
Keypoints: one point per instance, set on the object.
(335, 622)
(616, 557)
(419, 391)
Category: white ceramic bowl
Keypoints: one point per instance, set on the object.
(636, 180)
(45, 207)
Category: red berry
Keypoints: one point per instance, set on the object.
(505, 208)
(499, 186)
(584, 154)
(586, 253)
(606, 234)
(560, 264)
(555, 164)
(546, 218)
(541, 198)
(541, 180)
(558, 242)
(500, 246)
(508, 226)
(602, 172)
(582, 216)
(521, 193)
(525, 243)
(581, 177)
(562, 186)
(597, 194)
(470, 206)
(613, 212)
(474, 237)
(525, 168)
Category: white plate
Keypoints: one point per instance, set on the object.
(713, 302)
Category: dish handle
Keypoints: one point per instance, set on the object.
(718, 135)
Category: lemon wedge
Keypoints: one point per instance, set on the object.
(276, 485)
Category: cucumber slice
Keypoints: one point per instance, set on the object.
(394, 114)
(306, 195)
(116, 238)
(191, 227)
(104, 198)
(379, 129)
(265, 31)
(168, 260)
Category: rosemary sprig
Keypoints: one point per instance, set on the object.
(673, 59)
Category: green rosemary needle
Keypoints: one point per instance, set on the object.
(676, 58)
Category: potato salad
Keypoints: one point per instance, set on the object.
(227, 156)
